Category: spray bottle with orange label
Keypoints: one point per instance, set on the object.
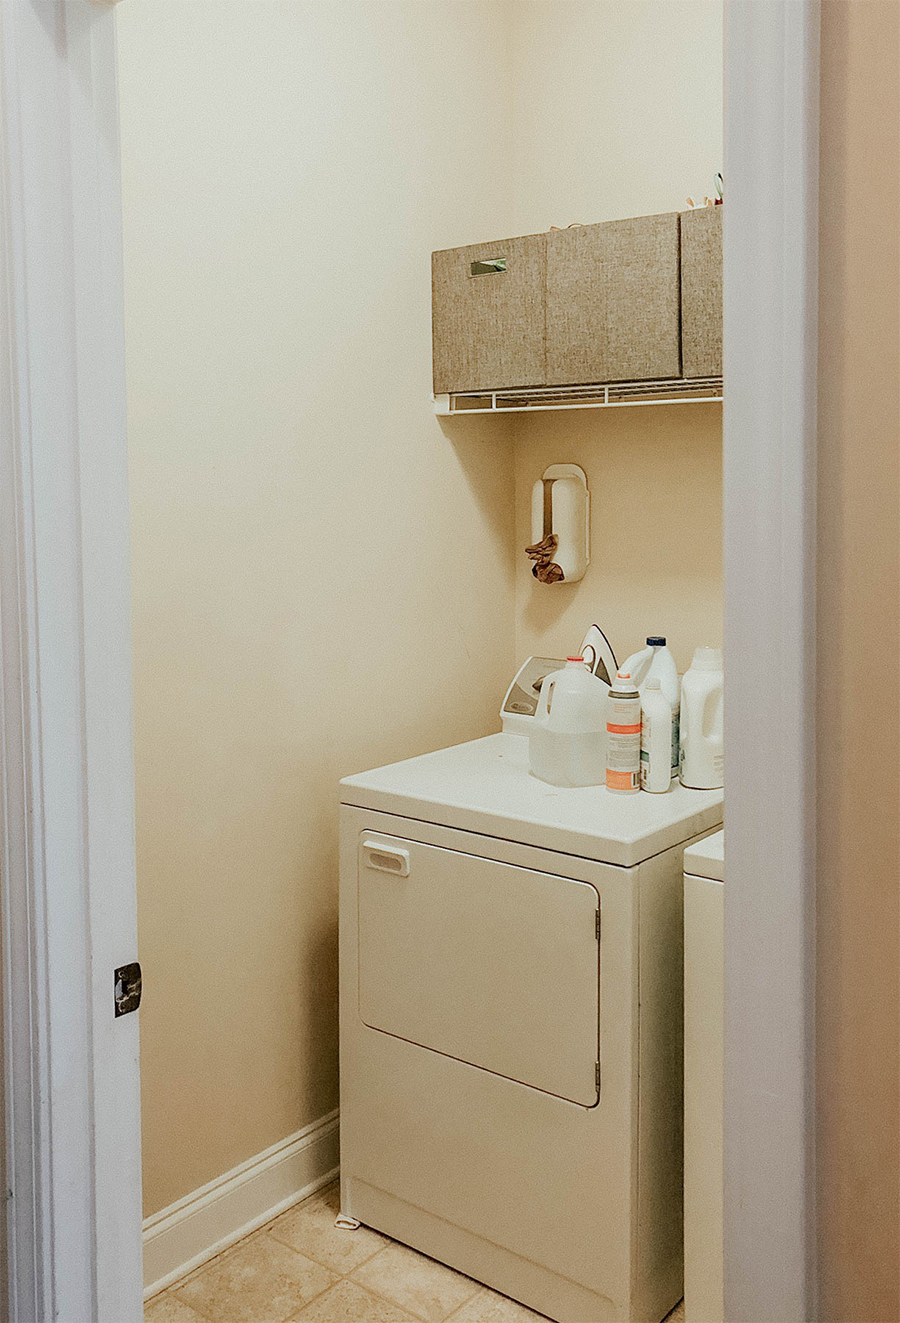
(623, 736)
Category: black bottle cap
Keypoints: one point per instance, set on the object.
(657, 641)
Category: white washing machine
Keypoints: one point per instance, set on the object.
(704, 1047)
(511, 1026)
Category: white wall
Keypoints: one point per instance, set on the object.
(618, 112)
(323, 577)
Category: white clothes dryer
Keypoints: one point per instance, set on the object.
(511, 1026)
(704, 1050)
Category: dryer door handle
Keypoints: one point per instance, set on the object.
(386, 858)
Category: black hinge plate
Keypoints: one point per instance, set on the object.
(127, 985)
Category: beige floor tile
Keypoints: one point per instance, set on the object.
(489, 1307)
(415, 1283)
(309, 1228)
(218, 1259)
(262, 1281)
(349, 1303)
(166, 1309)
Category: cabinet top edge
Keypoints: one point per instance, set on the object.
(566, 229)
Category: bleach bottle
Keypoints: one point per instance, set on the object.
(702, 722)
(656, 662)
(656, 738)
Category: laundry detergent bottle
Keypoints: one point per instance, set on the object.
(567, 743)
(703, 722)
(655, 662)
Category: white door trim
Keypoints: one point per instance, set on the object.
(771, 284)
(71, 1068)
(67, 787)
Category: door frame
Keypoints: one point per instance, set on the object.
(66, 760)
(66, 764)
(771, 315)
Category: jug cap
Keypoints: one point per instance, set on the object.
(575, 659)
(656, 641)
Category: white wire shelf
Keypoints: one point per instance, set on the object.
(616, 395)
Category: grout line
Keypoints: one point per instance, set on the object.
(308, 1254)
(479, 1286)
(465, 1304)
(383, 1300)
(198, 1312)
(232, 1249)
(311, 1300)
(266, 1230)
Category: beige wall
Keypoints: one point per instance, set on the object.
(655, 476)
(618, 112)
(617, 107)
(323, 577)
(859, 643)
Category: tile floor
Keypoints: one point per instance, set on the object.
(299, 1267)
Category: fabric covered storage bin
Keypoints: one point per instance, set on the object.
(613, 301)
(701, 291)
(487, 304)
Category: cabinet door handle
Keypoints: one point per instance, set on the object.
(488, 266)
(386, 858)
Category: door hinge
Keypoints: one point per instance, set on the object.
(597, 925)
(597, 1076)
(127, 988)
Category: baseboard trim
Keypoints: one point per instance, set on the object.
(185, 1235)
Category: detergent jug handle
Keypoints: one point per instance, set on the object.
(543, 707)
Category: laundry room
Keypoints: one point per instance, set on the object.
(424, 380)
(443, 443)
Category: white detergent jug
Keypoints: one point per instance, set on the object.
(567, 743)
(703, 722)
(655, 662)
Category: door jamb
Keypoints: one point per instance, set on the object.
(771, 298)
(66, 763)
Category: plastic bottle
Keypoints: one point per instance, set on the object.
(638, 664)
(702, 722)
(567, 743)
(656, 662)
(623, 736)
(656, 738)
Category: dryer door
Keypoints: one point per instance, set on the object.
(487, 962)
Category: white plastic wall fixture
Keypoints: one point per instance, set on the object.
(567, 513)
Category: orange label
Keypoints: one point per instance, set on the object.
(621, 780)
(624, 730)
